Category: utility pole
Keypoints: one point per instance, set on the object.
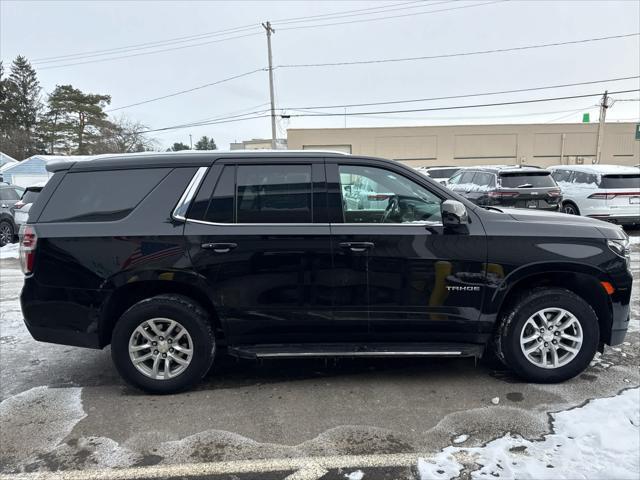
(269, 30)
(190, 142)
(604, 104)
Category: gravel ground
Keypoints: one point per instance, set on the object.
(65, 408)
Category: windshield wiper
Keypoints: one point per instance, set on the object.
(493, 208)
(525, 185)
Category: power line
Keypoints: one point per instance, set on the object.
(459, 54)
(191, 38)
(176, 127)
(393, 16)
(174, 94)
(450, 97)
(149, 53)
(332, 114)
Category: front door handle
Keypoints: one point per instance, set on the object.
(357, 247)
(219, 247)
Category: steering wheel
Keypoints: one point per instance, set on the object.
(392, 206)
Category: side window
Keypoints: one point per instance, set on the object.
(466, 181)
(561, 175)
(484, 181)
(376, 195)
(8, 194)
(585, 179)
(455, 179)
(101, 196)
(273, 194)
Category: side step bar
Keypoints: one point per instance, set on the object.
(357, 350)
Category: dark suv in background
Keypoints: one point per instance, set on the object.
(508, 186)
(171, 257)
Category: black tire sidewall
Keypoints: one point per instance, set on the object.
(190, 317)
(572, 205)
(510, 337)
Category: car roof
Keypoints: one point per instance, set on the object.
(602, 169)
(187, 158)
(505, 169)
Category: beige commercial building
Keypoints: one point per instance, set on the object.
(535, 144)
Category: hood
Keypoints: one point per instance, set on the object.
(608, 230)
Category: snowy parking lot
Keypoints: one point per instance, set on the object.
(65, 409)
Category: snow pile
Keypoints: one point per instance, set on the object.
(11, 250)
(598, 440)
(634, 240)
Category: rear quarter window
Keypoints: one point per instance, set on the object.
(100, 196)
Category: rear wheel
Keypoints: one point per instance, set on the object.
(549, 335)
(163, 344)
(570, 208)
(6, 233)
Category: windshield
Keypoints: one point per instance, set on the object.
(527, 180)
(442, 172)
(621, 181)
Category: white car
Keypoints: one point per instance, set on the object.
(22, 207)
(439, 174)
(606, 192)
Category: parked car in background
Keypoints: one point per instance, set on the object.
(22, 207)
(9, 194)
(439, 174)
(606, 192)
(508, 186)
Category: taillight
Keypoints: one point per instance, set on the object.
(28, 242)
(554, 193)
(610, 195)
(380, 196)
(502, 194)
(19, 204)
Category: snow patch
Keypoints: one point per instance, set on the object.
(461, 439)
(357, 475)
(38, 419)
(10, 250)
(635, 240)
(600, 440)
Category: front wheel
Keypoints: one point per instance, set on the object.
(549, 335)
(163, 344)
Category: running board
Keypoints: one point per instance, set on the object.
(357, 350)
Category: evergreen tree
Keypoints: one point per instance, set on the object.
(206, 143)
(20, 106)
(75, 122)
(176, 147)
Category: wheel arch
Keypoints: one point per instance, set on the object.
(127, 295)
(584, 282)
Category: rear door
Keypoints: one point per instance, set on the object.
(396, 264)
(259, 235)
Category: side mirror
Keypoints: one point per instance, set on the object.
(454, 213)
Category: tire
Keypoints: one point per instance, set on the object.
(134, 330)
(570, 208)
(518, 324)
(6, 233)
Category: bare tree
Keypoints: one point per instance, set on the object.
(126, 136)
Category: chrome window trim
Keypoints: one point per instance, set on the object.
(204, 222)
(188, 194)
(198, 177)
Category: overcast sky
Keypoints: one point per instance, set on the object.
(40, 30)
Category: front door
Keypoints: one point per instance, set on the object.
(258, 237)
(423, 283)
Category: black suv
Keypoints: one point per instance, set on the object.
(169, 257)
(508, 186)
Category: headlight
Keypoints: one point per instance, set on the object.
(621, 248)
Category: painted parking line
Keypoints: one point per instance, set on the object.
(302, 468)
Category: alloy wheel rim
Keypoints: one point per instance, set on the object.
(551, 338)
(569, 209)
(5, 234)
(160, 348)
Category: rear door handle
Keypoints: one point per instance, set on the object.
(357, 247)
(219, 247)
